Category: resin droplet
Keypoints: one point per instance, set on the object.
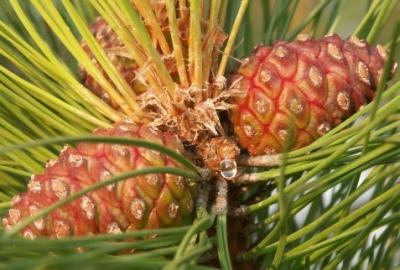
(382, 52)
(14, 215)
(137, 208)
(28, 234)
(363, 73)
(61, 229)
(343, 100)
(152, 179)
(105, 175)
(113, 228)
(295, 106)
(261, 106)
(34, 186)
(65, 149)
(249, 130)
(191, 182)
(88, 207)
(281, 52)
(303, 37)
(265, 75)
(128, 120)
(323, 128)
(16, 199)
(315, 76)
(356, 41)
(173, 210)
(50, 163)
(76, 160)
(269, 151)
(245, 61)
(6, 224)
(59, 188)
(120, 150)
(282, 133)
(228, 169)
(125, 128)
(39, 224)
(155, 153)
(334, 51)
(180, 182)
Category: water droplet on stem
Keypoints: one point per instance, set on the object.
(228, 168)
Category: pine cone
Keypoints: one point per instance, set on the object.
(109, 41)
(319, 82)
(143, 202)
(118, 54)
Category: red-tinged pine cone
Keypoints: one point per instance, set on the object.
(127, 67)
(117, 52)
(319, 82)
(144, 202)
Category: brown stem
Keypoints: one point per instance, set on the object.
(248, 178)
(261, 161)
(221, 200)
